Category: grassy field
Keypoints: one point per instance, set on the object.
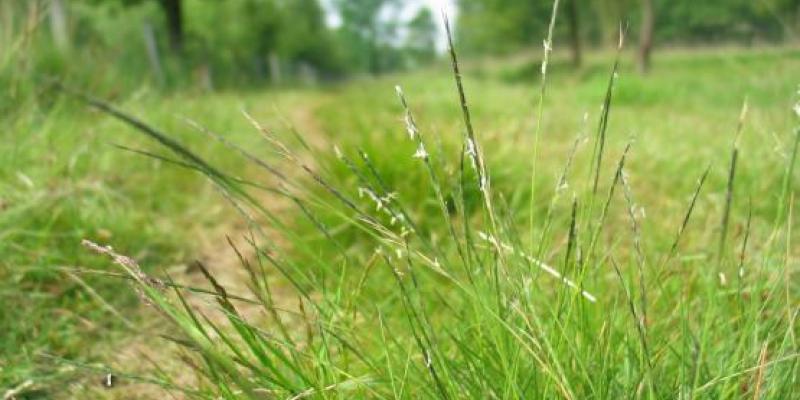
(414, 279)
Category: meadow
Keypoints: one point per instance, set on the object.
(392, 248)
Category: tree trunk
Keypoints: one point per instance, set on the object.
(646, 36)
(58, 25)
(608, 19)
(174, 13)
(574, 32)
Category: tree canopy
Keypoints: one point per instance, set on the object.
(505, 25)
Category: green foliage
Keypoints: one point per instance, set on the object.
(368, 32)
(305, 38)
(233, 43)
(715, 21)
(501, 25)
(505, 25)
(421, 36)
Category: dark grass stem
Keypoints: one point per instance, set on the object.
(687, 216)
(595, 236)
(602, 125)
(472, 146)
(729, 192)
(641, 264)
(547, 49)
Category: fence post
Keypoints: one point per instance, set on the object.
(152, 52)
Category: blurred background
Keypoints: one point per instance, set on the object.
(208, 44)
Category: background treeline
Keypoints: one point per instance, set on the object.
(207, 43)
(215, 44)
(502, 26)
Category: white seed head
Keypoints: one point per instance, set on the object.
(411, 128)
(25, 179)
(470, 147)
(379, 202)
(421, 153)
(472, 152)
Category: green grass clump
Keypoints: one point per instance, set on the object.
(441, 266)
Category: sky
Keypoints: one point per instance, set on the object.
(409, 9)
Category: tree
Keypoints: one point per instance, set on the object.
(421, 40)
(502, 26)
(646, 36)
(303, 36)
(608, 15)
(173, 15)
(715, 21)
(363, 25)
(173, 11)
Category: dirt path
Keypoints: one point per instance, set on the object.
(138, 353)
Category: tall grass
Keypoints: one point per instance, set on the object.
(397, 302)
